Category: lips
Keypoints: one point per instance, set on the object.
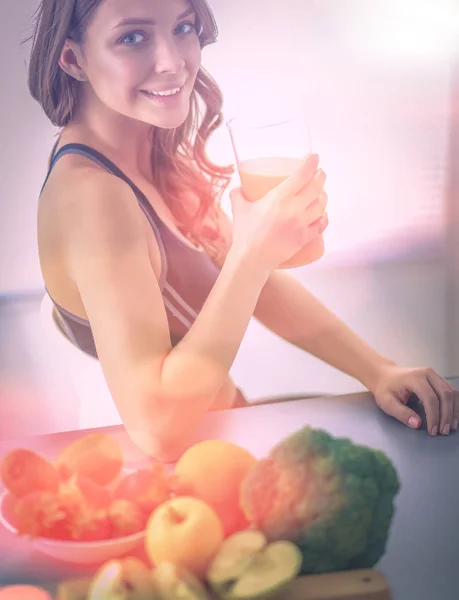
(160, 100)
(165, 92)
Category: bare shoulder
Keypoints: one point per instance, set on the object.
(95, 207)
(86, 213)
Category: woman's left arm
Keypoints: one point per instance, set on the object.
(288, 309)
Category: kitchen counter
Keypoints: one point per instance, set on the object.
(422, 558)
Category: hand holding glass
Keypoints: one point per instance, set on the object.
(266, 154)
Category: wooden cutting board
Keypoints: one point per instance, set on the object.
(367, 584)
(364, 584)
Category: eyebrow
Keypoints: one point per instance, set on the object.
(137, 21)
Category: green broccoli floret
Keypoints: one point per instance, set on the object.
(333, 498)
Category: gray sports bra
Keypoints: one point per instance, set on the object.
(187, 274)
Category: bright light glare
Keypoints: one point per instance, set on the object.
(404, 29)
(424, 29)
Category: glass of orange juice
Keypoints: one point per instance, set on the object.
(267, 151)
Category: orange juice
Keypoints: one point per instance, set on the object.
(258, 177)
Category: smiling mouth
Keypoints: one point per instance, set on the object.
(164, 94)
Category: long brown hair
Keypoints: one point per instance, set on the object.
(190, 183)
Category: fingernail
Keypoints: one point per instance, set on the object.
(454, 425)
(323, 223)
(312, 161)
(435, 431)
(413, 422)
(446, 430)
(321, 175)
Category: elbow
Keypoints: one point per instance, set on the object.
(169, 453)
(160, 423)
(162, 448)
(157, 431)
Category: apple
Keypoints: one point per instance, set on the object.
(248, 568)
(176, 583)
(125, 579)
(184, 531)
(73, 589)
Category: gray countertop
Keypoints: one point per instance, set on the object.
(422, 558)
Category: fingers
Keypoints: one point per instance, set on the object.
(438, 401)
(316, 210)
(455, 403)
(430, 401)
(448, 400)
(321, 224)
(439, 398)
(399, 411)
(297, 181)
(236, 194)
(311, 196)
(456, 410)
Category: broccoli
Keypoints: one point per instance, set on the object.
(331, 497)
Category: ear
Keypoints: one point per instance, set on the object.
(71, 60)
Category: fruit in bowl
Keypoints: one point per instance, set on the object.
(96, 456)
(85, 536)
(69, 509)
(24, 471)
(148, 488)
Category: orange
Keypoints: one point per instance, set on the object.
(24, 471)
(96, 456)
(24, 592)
(213, 471)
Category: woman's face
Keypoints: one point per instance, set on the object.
(141, 58)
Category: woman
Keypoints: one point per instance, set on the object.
(145, 271)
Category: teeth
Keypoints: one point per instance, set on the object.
(168, 93)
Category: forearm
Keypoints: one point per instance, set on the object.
(198, 366)
(288, 309)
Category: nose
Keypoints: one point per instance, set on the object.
(168, 58)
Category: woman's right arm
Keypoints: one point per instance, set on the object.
(161, 392)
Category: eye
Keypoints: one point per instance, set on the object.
(186, 28)
(130, 36)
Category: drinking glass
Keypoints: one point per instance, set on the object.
(267, 151)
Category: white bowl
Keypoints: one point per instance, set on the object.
(72, 551)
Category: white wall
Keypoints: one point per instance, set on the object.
(398, 309)
(379, 120)
(26, 141)
(379, 123)
(380, 115)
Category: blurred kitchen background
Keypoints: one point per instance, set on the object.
(379, 81)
